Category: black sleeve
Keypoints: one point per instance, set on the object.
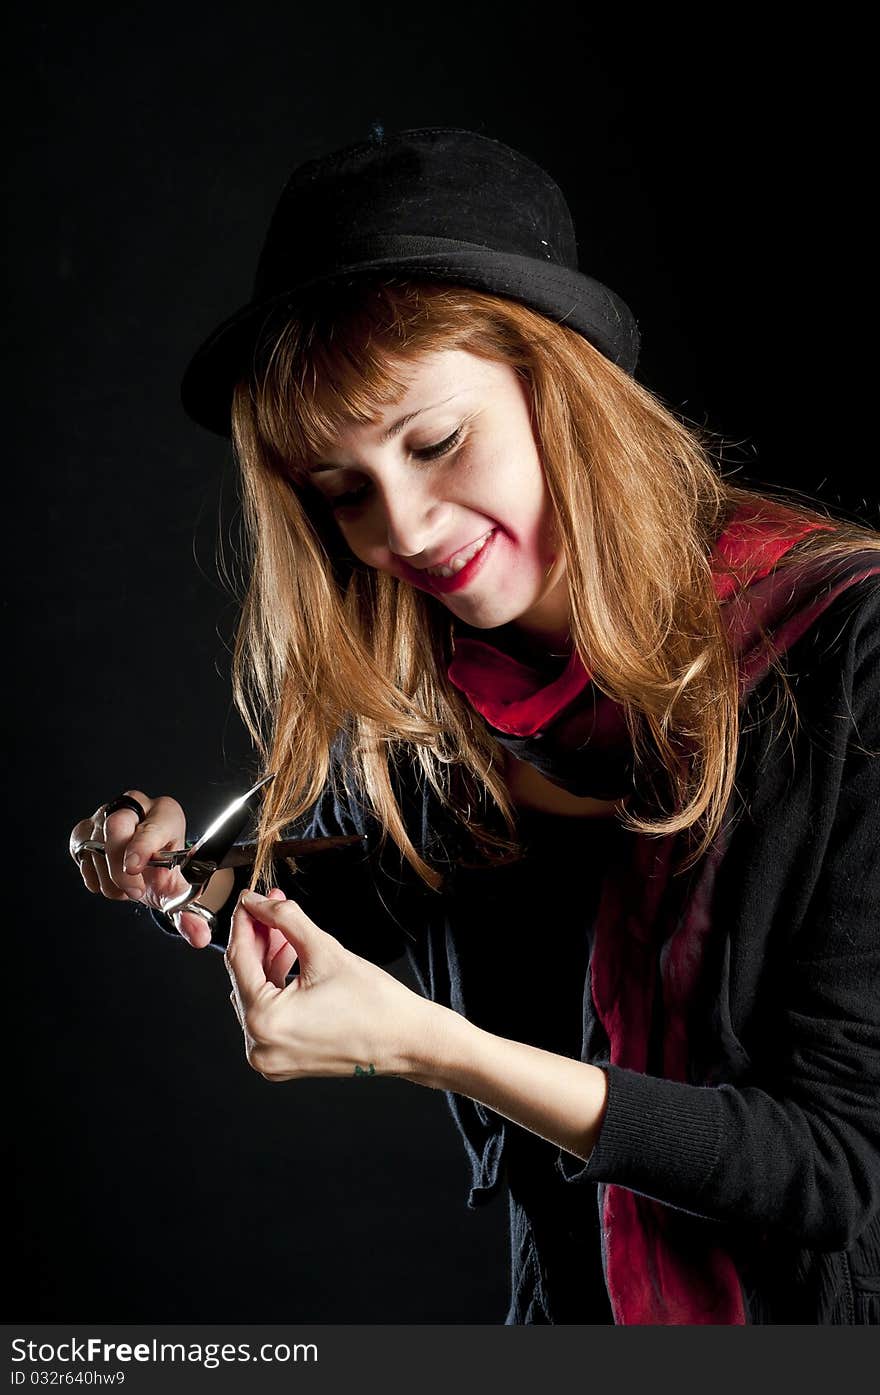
(798, 1151)
(348, 892)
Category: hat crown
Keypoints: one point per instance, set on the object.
(436, 204)
(434, 183)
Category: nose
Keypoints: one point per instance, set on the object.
(410, 520)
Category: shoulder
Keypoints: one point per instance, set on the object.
(802, 849)
(831, 668)
(849, 628)
(836, 673)
(810, 727)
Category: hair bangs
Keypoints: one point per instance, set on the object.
(340, 364)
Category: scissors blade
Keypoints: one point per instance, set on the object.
(217, 846)
(219, 837)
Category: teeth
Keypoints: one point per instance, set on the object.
(460, 561)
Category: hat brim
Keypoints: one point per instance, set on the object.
(563, 295)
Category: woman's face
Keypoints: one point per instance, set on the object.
(453, 467)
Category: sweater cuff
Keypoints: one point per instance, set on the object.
(658, 1137)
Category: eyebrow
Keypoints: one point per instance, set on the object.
(388, 434)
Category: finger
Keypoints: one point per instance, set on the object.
(284, 915)
(233, 998)
(287, 919)
(194, 929)
(131, 844)
(244, 956)
(89, 875)
(79, 834)
(279, 955)
(118, 830)
(87, 862)
(280, 965)
(106, 884)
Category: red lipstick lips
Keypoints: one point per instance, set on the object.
(444, 585)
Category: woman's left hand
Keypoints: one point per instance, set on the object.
(342, 1015)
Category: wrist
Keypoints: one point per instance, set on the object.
(444, 1038)
(561, 1099)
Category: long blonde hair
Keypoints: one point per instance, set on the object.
(326, 646)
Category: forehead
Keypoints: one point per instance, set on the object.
(442, 370)
(428, 381)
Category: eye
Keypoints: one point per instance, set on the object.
(352, 497)
(442, 448)
(348, 499)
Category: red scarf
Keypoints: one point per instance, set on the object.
(512, 697)
(640, 1233)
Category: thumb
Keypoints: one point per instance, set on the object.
(288, 917)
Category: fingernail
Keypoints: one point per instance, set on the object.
(135, 894)
(132, 862)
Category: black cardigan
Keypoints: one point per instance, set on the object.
(780, 1155)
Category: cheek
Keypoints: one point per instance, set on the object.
(536, 518)
(530, 501)
(351, 530)
(510, 481)
(362, 543)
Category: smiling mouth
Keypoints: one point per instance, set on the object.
(452, 581)
(461, 559)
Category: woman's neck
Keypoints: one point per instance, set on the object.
(536, 650)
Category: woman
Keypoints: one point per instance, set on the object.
(608, 722)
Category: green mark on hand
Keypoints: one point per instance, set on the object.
(371, 1071)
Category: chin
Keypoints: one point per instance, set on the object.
(488, 617)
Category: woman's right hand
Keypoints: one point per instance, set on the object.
(122, 874)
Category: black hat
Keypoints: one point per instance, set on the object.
(437, 203)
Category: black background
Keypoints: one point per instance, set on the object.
(714, 176)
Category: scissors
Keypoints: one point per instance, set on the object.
(217, 848)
